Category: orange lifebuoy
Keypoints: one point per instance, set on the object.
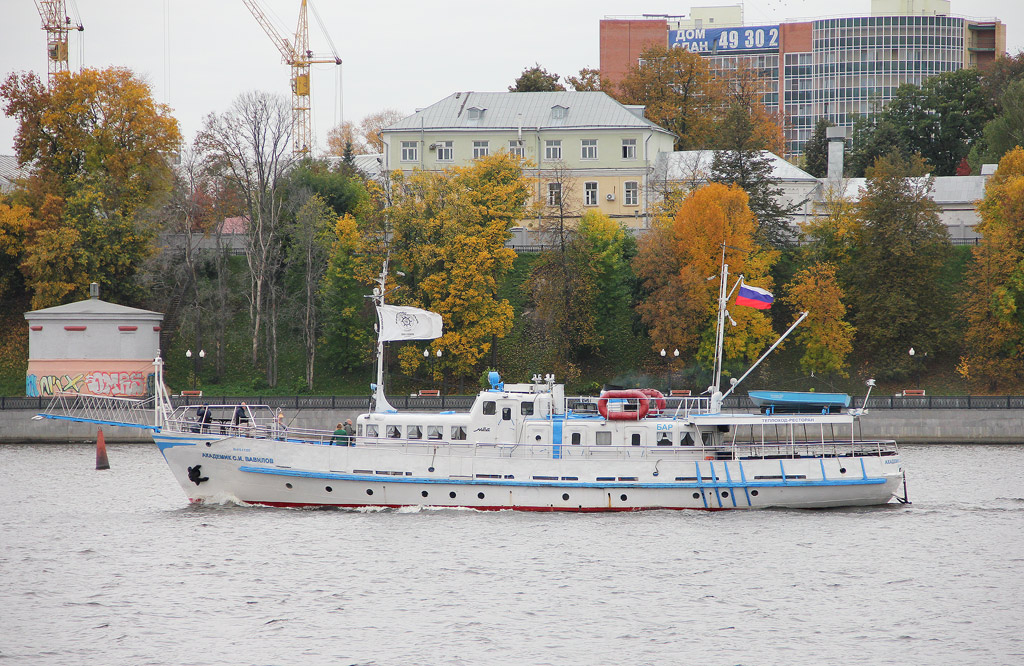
(642, 399)
(657, 397)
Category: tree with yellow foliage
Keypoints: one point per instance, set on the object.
(993, 352)
(826, 337)
(675, 260)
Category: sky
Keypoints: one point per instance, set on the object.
(199, 55)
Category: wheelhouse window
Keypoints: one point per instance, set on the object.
(631, 194)
(394, 432)
(490, 407)
(410, 151)
(588, 149)
(414, 432)
(554, 194)
(526, 408)
(435, 432)
(515, 147)
(480, 149)
(458, 433)
(553, 149)
(629, 149)
(444, 151)
(371, 430)
(590, 193)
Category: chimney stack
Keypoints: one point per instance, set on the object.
(836, 143)
(94, 290)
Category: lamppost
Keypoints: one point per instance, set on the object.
(426, 355)
(195, 364)
(668, 367)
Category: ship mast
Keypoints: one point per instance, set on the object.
(380, 401)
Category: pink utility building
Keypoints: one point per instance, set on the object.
(92, 347)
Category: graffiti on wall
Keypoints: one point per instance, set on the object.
(97, 382)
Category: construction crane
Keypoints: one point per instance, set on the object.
(299, 57)
(57, 24)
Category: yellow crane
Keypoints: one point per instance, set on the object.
(299, 57)
(57, 24)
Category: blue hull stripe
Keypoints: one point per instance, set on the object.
(715, 485)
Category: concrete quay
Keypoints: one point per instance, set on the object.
(906, 426)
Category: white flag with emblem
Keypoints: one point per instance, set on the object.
(406, 323)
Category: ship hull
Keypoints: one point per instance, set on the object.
(555, 478)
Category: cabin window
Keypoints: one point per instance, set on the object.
(687, 440)
(459, 432)
(394, 432)
(664, 439)
(576, 438)
(489, 407)
(415, 432)
(526, 408)
(506, 413)
(706, 438)
(603, 437)
(435, 432)
(359, 430)
(371, 430)
(635, 439)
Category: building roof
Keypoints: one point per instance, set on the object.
(695, 165)
(945, 189)
(509, 111)
(92, 308)
(9, 170)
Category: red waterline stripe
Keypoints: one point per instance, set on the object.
(36, 328)
(127, 328)
(74, 328)
(546, 509)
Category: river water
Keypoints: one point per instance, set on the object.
(115, 567)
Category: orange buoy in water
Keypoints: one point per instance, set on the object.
(101, 451)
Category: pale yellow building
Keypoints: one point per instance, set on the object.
(584, 149)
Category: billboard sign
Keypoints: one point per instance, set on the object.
(726, 40)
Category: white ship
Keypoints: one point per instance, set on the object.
(529, 447)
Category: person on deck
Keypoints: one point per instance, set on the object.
(241, 415)
(340, 435)
(350, 431)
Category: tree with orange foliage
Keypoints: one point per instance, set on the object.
(993, 356)
(675, 260)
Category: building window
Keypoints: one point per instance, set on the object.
(632, 193)
(515, 147)
(410, 153)
(554, 194)
(629, 149)
(553, 149)
(590, 193)
(476, 113)
(444, 151)
(480, 149)
(589, 149)
(559, 112)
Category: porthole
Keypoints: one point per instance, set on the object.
(452, 494)
(288, 486)
(622, 497)
(725, 493)
(565, 496)
(369, 491)
(696, 496)
(430, 469)
(842, 470)
(329, 489)
(480, 495)
(424, 493)
(209, 443)
(754, 493)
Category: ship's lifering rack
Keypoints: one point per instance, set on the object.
(657, 402)
(643, 404)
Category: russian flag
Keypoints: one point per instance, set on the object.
(754, 297)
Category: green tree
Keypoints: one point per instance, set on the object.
(993, 350)
(1005, 131)
(536, 79)
(345, 336)
(816, 149)
(744, 163)
(901, 253)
